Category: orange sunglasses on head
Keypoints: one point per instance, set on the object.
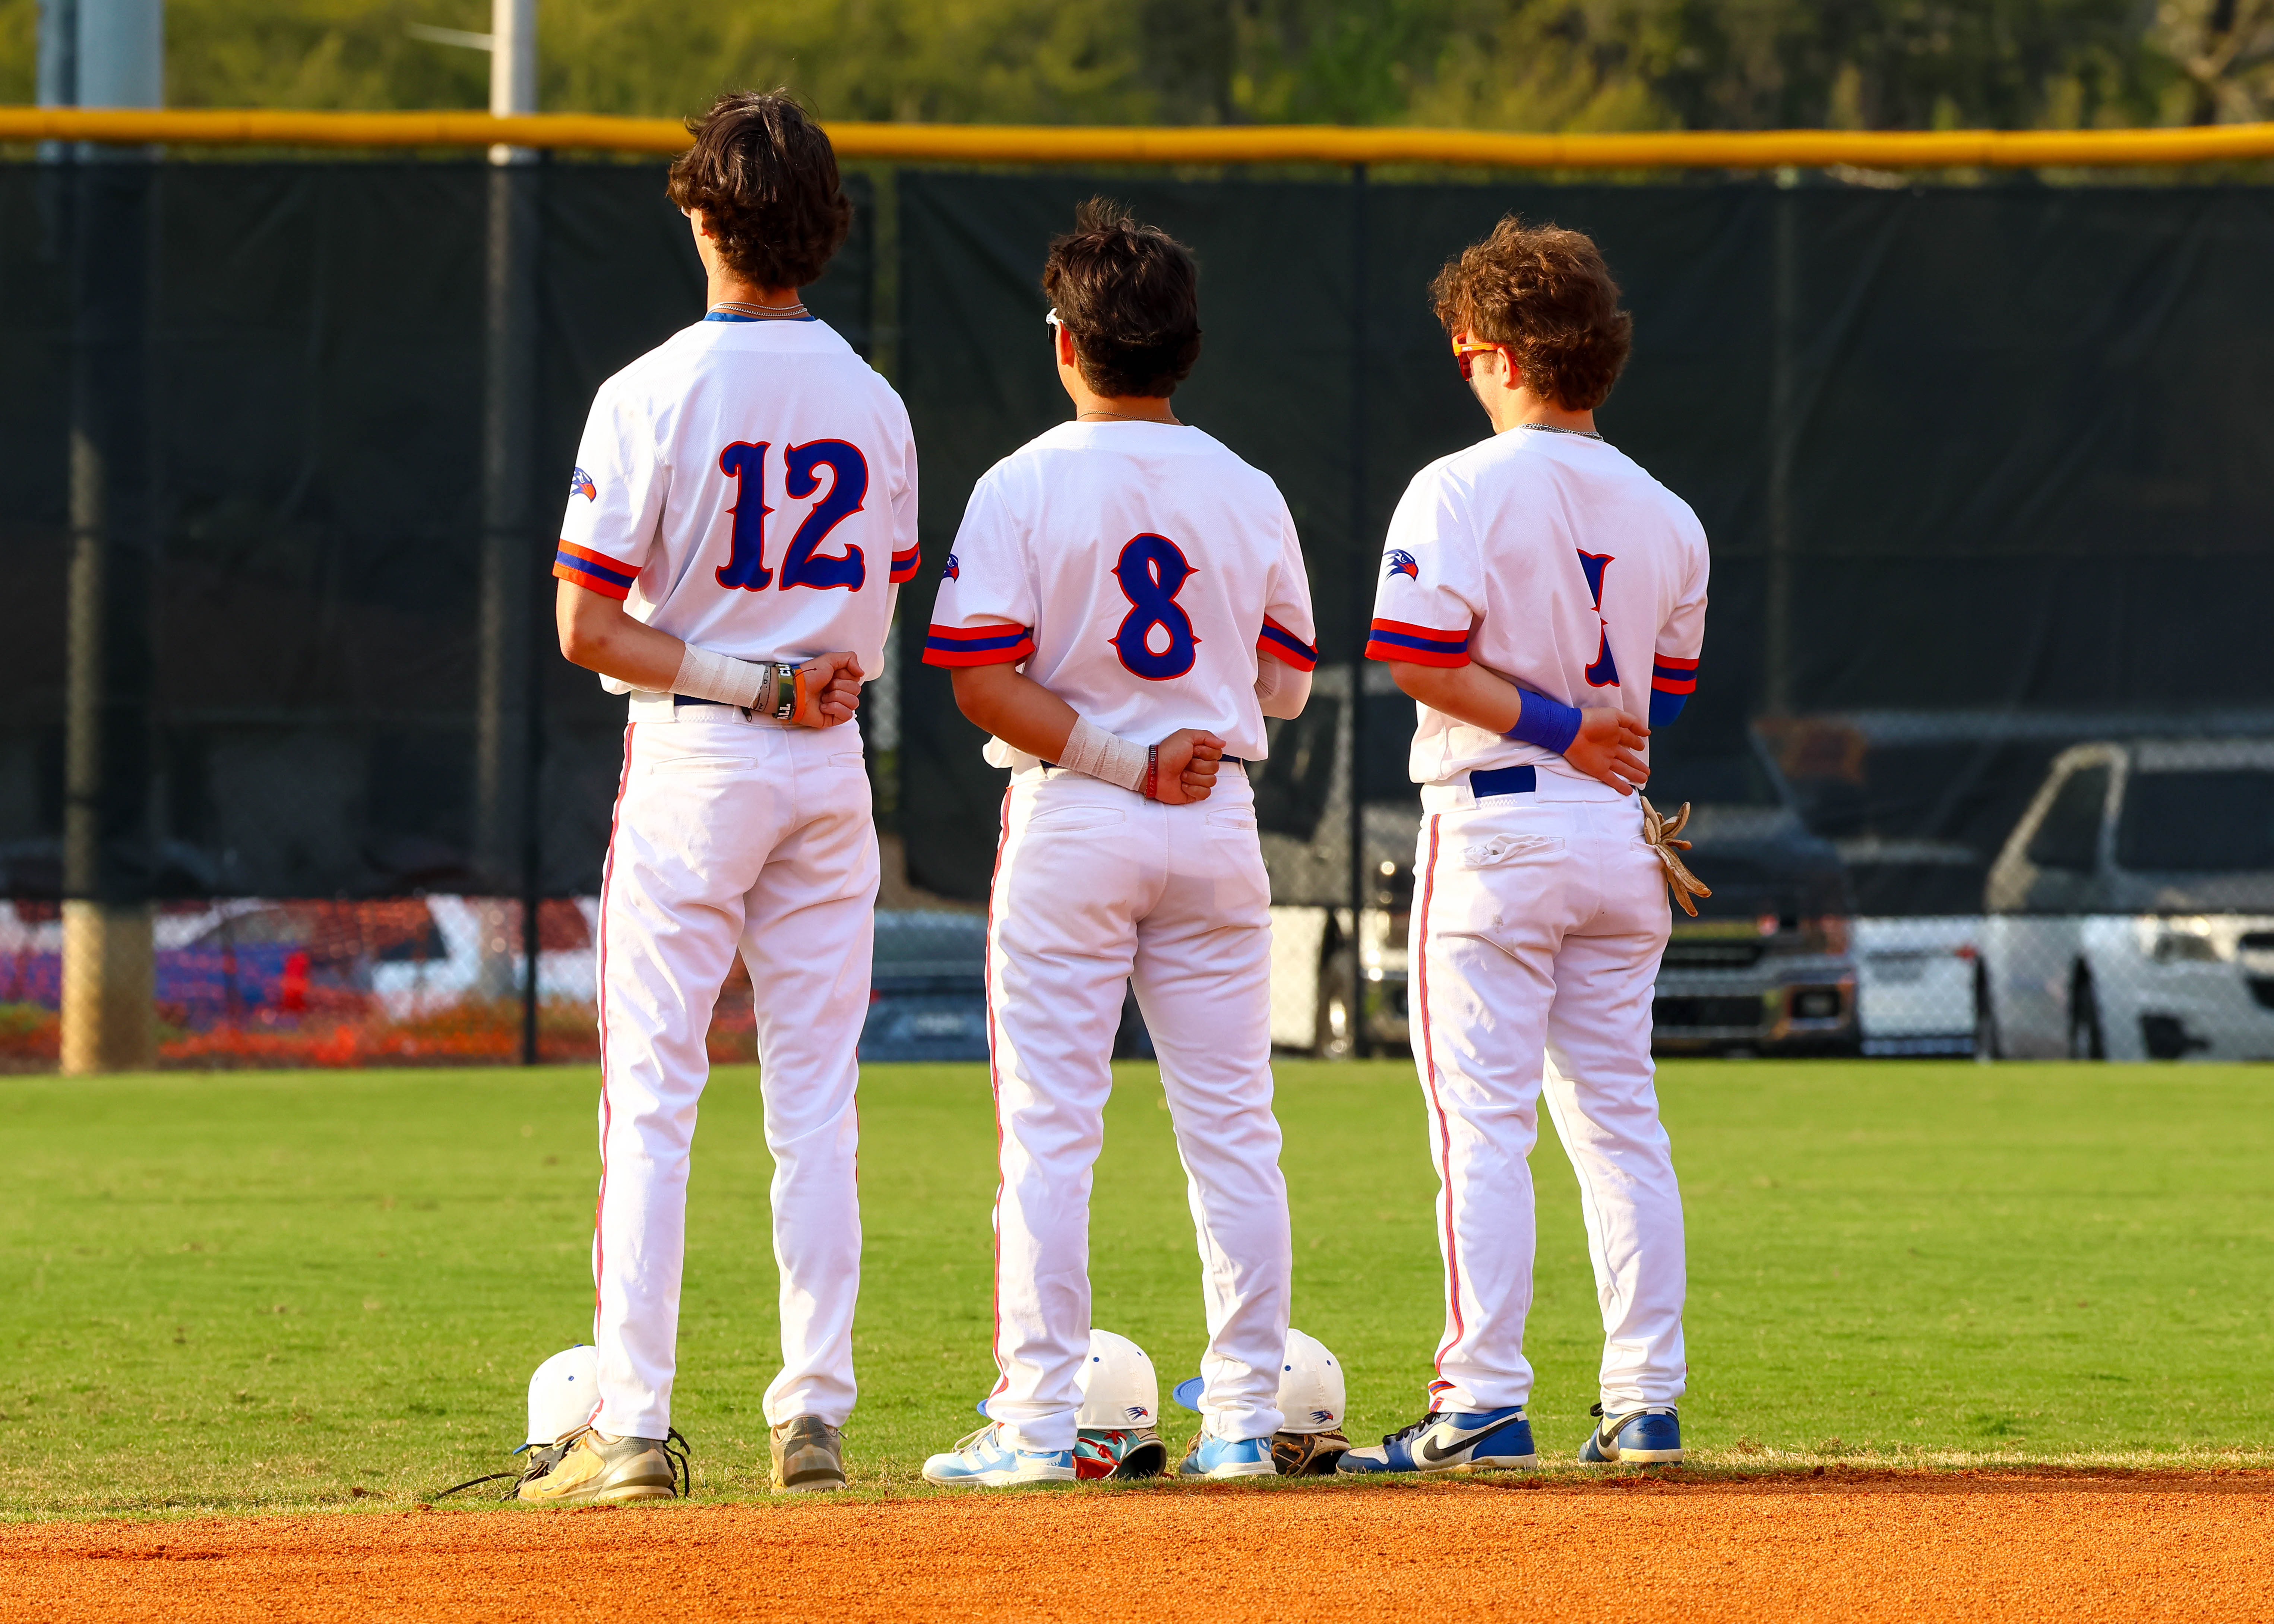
(1464, 354)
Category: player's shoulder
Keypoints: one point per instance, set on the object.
(661, 371)
(1231, 470)
(1641, 483)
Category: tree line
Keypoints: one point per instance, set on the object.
(1519, 64)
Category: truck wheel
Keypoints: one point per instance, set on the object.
(1337, 1028)
(2086, 1041)
(1985, 1019)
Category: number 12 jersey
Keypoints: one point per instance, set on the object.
(750, 488)
(1139, 571)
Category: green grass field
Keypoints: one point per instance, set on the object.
(247, 1292)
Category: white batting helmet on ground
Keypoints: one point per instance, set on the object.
(1311, 1396)
(1119, 1390)
(563, 1395)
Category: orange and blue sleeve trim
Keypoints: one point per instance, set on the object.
(904, 565)
(1672, 682)
(594, 572)
(1285, 646)
(997, 644)
(1671, 675)
(1395, 639)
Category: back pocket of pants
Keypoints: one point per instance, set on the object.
(1497, 849)
(1073, 819)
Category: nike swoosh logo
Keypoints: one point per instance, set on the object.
(1430, 1452)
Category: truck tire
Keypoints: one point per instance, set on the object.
(2086, 1041)
(1985, 1018)
(1337, 1021)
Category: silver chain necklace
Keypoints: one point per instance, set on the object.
(1557, 428)
(763, 313)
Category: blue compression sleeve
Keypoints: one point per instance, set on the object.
(1664, 708)
(1545, 722)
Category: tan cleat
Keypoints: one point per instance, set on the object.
(809, 1455)
(595, 1469)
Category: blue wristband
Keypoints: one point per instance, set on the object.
(1545, 722)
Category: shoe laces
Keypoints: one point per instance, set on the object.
(541, 1462)
(969, 1439)
(1429, 1419)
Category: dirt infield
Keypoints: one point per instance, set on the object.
(1850, 1544)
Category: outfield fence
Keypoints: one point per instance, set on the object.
(1983, 466)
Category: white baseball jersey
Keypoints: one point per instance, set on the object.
(1139, 569)
(1540, 916)
(1552, 560)
(748, 487)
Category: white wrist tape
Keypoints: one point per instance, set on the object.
(1094, 751)
(706, 675)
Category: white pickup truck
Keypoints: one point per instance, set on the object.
(2131, 913)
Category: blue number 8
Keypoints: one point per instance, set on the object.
(1152, 570)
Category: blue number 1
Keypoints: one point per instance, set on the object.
(746, 561)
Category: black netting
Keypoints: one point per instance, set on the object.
(1983, 471)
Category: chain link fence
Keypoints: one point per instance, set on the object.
(291, 762)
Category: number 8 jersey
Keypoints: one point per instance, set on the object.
(1139, 571)
(748, 487)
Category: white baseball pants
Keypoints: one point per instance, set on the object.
(1097, 888)
(731, 835)
(1536, 928)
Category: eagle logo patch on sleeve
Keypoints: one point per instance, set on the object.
(580, 484)
(954, 570)
(1402, 562)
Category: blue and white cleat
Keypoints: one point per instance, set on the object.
(1650, 1437)
(1448, 1441)
(983, 1461)
(1228, 1457)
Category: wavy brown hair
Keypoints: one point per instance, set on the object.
(1130, 295)
(765, 178)
(1545, 293)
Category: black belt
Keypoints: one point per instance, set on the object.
(688, 699)
(1505, 781)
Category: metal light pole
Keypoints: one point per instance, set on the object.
(114, 57)
(512, 573)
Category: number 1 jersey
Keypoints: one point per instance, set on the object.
(1139, 571)
(750, 488)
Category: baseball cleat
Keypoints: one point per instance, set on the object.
(595, 1469)
(1228, 1457)
(809, 1455)
(1448, 1441)
(1119, 1451)
(1650, 1437)
(983, 1461)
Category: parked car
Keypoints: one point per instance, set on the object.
(1915, 991)
(1768, 966)
(928, 991)
(2131, 914)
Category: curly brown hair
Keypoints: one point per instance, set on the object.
(1544, 292)
(765, 178)
(1130, 296)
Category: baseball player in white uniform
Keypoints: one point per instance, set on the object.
(1125, 603)
(742, 511)
(1541, 595)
